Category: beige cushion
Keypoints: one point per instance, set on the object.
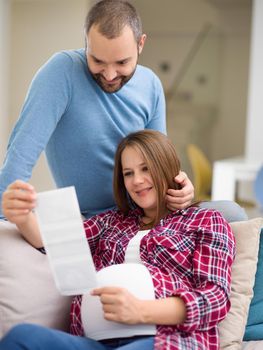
(247, 234)
(252, 345)
(27, 289)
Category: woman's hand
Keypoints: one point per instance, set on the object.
(180, 199)
(119, 305)
(18, 201)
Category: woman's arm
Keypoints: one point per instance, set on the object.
(17, 204)
(208, 266)
(168, 311)
(120, 305)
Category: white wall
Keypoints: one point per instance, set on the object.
(254, 137)
(4, 70)
(172, 27)
(229, 132)
(38, 29)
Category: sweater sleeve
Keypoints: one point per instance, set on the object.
(158, 118)
(47, 99)
(207, 298)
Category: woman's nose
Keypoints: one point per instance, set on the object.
(138, 178)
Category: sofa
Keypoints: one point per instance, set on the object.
(28, 292)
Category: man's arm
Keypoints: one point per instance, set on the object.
(176, 199)
(45, 103)
(158, 118)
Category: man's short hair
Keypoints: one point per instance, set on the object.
(111, 16)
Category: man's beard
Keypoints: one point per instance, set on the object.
(111, 88)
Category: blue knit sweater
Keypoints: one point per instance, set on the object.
(67, 115)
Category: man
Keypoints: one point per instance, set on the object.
(81, 103)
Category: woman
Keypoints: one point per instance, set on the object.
(188, 254)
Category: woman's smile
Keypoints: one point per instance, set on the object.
(143, 192)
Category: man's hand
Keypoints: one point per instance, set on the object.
(119, 305)
(18, 201)
(180, 199)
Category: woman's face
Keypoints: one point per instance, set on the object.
(138, 181)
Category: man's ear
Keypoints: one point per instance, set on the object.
(141, 43)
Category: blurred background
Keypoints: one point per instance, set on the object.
(202, 50)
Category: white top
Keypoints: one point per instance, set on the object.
(132, 254)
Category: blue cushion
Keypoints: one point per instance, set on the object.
(258, 184)
(254, 328)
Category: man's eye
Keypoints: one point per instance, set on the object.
(122, 63)
(97, 61)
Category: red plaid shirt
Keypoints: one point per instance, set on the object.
(188, 254)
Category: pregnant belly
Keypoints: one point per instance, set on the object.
(137, 280)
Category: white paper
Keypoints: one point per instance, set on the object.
(64, 239)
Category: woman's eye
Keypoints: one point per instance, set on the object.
(145, 168)
(127, 174)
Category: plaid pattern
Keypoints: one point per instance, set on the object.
(189, 254)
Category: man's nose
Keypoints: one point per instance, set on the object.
(109, 73)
